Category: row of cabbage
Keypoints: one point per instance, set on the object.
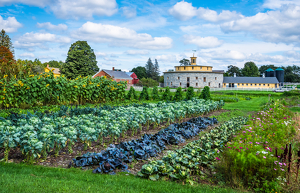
(149, 145)
(182, 163)
(38, 136)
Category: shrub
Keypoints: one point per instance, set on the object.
(144, 95)
(167, 94)
(190, 93)
(205, 94)
(131, 94)
(178, 95)
(155, 95)
(149, 82)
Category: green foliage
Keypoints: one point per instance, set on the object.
(205, 94)
(178, 95)
(144, 95)
(6, 41)
(250, 158)
(81, 61)
(161, 79)
(140, 72)
(45, 89)
(131, 94)
(54, 64)
(190, 93)
(184, 62)
(155, 95)
(234, 69)
(250, 70)
(149, 82)
(167, 94)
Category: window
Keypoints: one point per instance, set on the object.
(178, 78)
(259, 84)
(264, 84)
(209, 84)
(255, 84)
(177, 68)
(238, 84)
(193, 68)
(246, 84)
(201, 68)
(168, 78)
(250, 84)
(188, 79)
(196, 78)
(204, 79)
(268, 85)
(180, 84)
(171, 83)
(184, 68)
(215, 78)
(207, 68)
(242, 84)
(193, 60)
(196, 84)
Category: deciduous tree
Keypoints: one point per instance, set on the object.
(250, 70)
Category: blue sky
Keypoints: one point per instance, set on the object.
(124, 34)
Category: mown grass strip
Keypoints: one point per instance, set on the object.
(28, 178)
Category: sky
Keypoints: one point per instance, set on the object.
(124, 34)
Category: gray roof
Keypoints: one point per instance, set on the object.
(129, 73)
(219, 71)
(271, 80)
(117, 74)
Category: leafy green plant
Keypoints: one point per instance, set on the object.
(155, 95)
(178, 95)
(190, 93)
(144, 95)
(167, 94)
(205, 94)
(131, 94)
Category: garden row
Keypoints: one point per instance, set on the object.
(37, 136)
(195, 155)
(116, 156)
(45, 89)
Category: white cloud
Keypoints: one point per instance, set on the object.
(293, 54)
(224, 55)
(49, 26)
(213, 16)
(31, 40)
(100, 54)
(84, 8)
(275, 4)
(72, 9)
(27, 55)
(272, 26)
(129, 12)
(136, 52)
(260, 58)
(183, 11)
(121, 36)
(202, 42)
(145, 22)
(10, 24)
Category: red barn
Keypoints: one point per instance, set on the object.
(115, 75)
(135, 79)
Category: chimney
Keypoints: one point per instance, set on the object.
(234, 74)
(263, 75)
(113, 68)
(47, 65)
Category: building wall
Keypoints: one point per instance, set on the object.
(193, 68)
(196, 79)
(251, 85)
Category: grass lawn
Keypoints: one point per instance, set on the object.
(247, 105)
(28, 178)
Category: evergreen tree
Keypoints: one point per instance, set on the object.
(156, 71)
(167, 94)
(190, 93)
(5, 41)
(178, 95)
(144, 95)
(205, 94)
(149, 68)
(155, 95)
(81, 61)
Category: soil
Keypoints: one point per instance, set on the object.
(64, 158)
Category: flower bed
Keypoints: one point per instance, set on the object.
(254, 157)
